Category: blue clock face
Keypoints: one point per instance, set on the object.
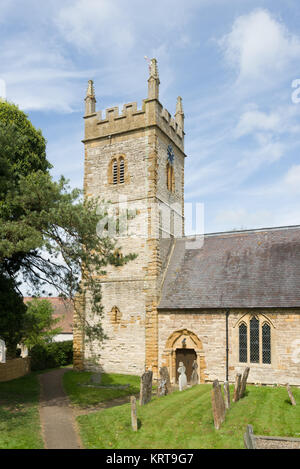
(170, 154)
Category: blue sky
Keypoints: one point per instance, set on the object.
(232, 61)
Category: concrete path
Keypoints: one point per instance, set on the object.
(57, 419)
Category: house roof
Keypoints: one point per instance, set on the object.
(63, 309)
(245, 269)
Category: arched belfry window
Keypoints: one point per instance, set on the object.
(117, 170)
(122, 170)
(255, 337)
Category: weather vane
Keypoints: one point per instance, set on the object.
(148, 61)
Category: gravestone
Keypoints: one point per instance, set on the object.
(195, 376)
(96, 378)
(162, 388)
(292, 399)
(133, 414)
(182, 380)
(227, 395)
(2, 351)
(244, 382)
(146, 387)
(164, 377)
(237, 387)
(218, 406)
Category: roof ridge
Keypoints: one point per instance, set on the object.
(250, 230)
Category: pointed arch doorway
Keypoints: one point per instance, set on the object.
(187, 356)
(184, 345)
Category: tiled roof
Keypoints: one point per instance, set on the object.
(63, 309)
(247, 269)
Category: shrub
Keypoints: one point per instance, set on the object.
(51, 355)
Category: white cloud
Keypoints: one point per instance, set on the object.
(253, 121)
(5, 9)
(241, 218)
(260, 48)
(38, 76)
(267, 152)
(292, 179)
(96, 25)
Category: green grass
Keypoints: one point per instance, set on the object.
(19, 416)
(83, 396)
(184, 420)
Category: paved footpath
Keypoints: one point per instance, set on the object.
(57, 418)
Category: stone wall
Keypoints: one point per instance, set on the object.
(210, 328)
(15, 368)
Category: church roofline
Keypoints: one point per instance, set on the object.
(251, 230)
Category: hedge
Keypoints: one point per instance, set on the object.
(51, 355)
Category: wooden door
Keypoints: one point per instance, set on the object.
(187, 357)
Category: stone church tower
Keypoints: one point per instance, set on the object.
(134, 159)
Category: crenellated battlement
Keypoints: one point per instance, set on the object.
(112, 121)
(115, 113)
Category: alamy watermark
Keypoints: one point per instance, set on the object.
(159, 220)
(296, 93)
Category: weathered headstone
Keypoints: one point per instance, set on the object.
(133, 414)
(218, 406)
(96, 378)
(237, 387)
(227, 395)
(292, 399)
(162, 388)
(164, 375)
(146, 387)
(244, 382)
(182, 380)
(2, 351)
(195, 376)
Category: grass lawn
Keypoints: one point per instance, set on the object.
(19, 415)
(84, 396)
(184, 420)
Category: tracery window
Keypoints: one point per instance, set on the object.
(254, 341)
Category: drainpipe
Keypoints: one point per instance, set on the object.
(227, 345)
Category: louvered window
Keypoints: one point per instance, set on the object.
(122, 170)
(115, 172)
